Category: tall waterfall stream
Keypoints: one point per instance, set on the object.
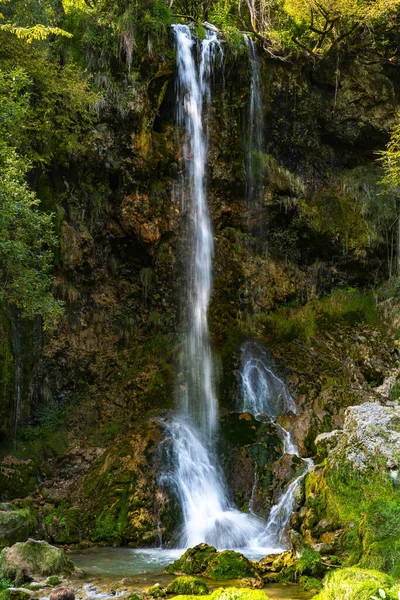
(193, 470)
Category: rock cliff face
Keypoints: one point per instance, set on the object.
(108, 367)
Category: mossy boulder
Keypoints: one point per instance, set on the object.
(230, 593)
(230, 565)
(23, 561)
(16, 594)
(188, 585)
(357, 584)
(16, 524)
(206, 560)
(194, 561)
(233, 593)
(156, 591)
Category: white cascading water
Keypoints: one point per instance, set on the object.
(192, 468)
(193, 471)
(263, 393)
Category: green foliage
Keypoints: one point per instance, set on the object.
(309, 564)
(310, 584)
(188, 585)
(232, 593)
(5, 583)
(26, 235)
(390, 159)
(346, 307)
(156, 591)
(357, 584)
(53, 580)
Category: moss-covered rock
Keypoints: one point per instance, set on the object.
(188, 585)
(16, 594)
(194, 561)
(25, 560)
(206, 560)
(357, 584)
(156, 591)
(119, 498)
(229, 565)
(16, 524)
(230, 593)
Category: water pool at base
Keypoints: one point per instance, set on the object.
(108, 566)
(126, 562)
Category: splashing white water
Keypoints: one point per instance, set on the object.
(208, 516)
(263, 393)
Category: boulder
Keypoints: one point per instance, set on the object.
(194, 561)
(371, 433)
(207, 561)
(23, 561)
(188, 585)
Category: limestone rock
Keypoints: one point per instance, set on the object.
(24, 561)
(371, 431)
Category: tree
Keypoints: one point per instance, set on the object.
(26, 234)
(19, 19)
(319, 26)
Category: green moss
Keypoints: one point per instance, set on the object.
(194, 561)
(356, 584)
(230, 593)
(366, 506)
(5, 583)
(62, 524)
(188, 585)
(230, 565)
(53, 580)
(23, 560)
(310, 584)
(346, 307)
(156, 591)
(15, 525)
(309, 564)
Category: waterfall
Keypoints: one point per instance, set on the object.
(192, 469)
(197, 397)
(255, 141)
(263, 393)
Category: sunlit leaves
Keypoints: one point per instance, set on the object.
(37, 32)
